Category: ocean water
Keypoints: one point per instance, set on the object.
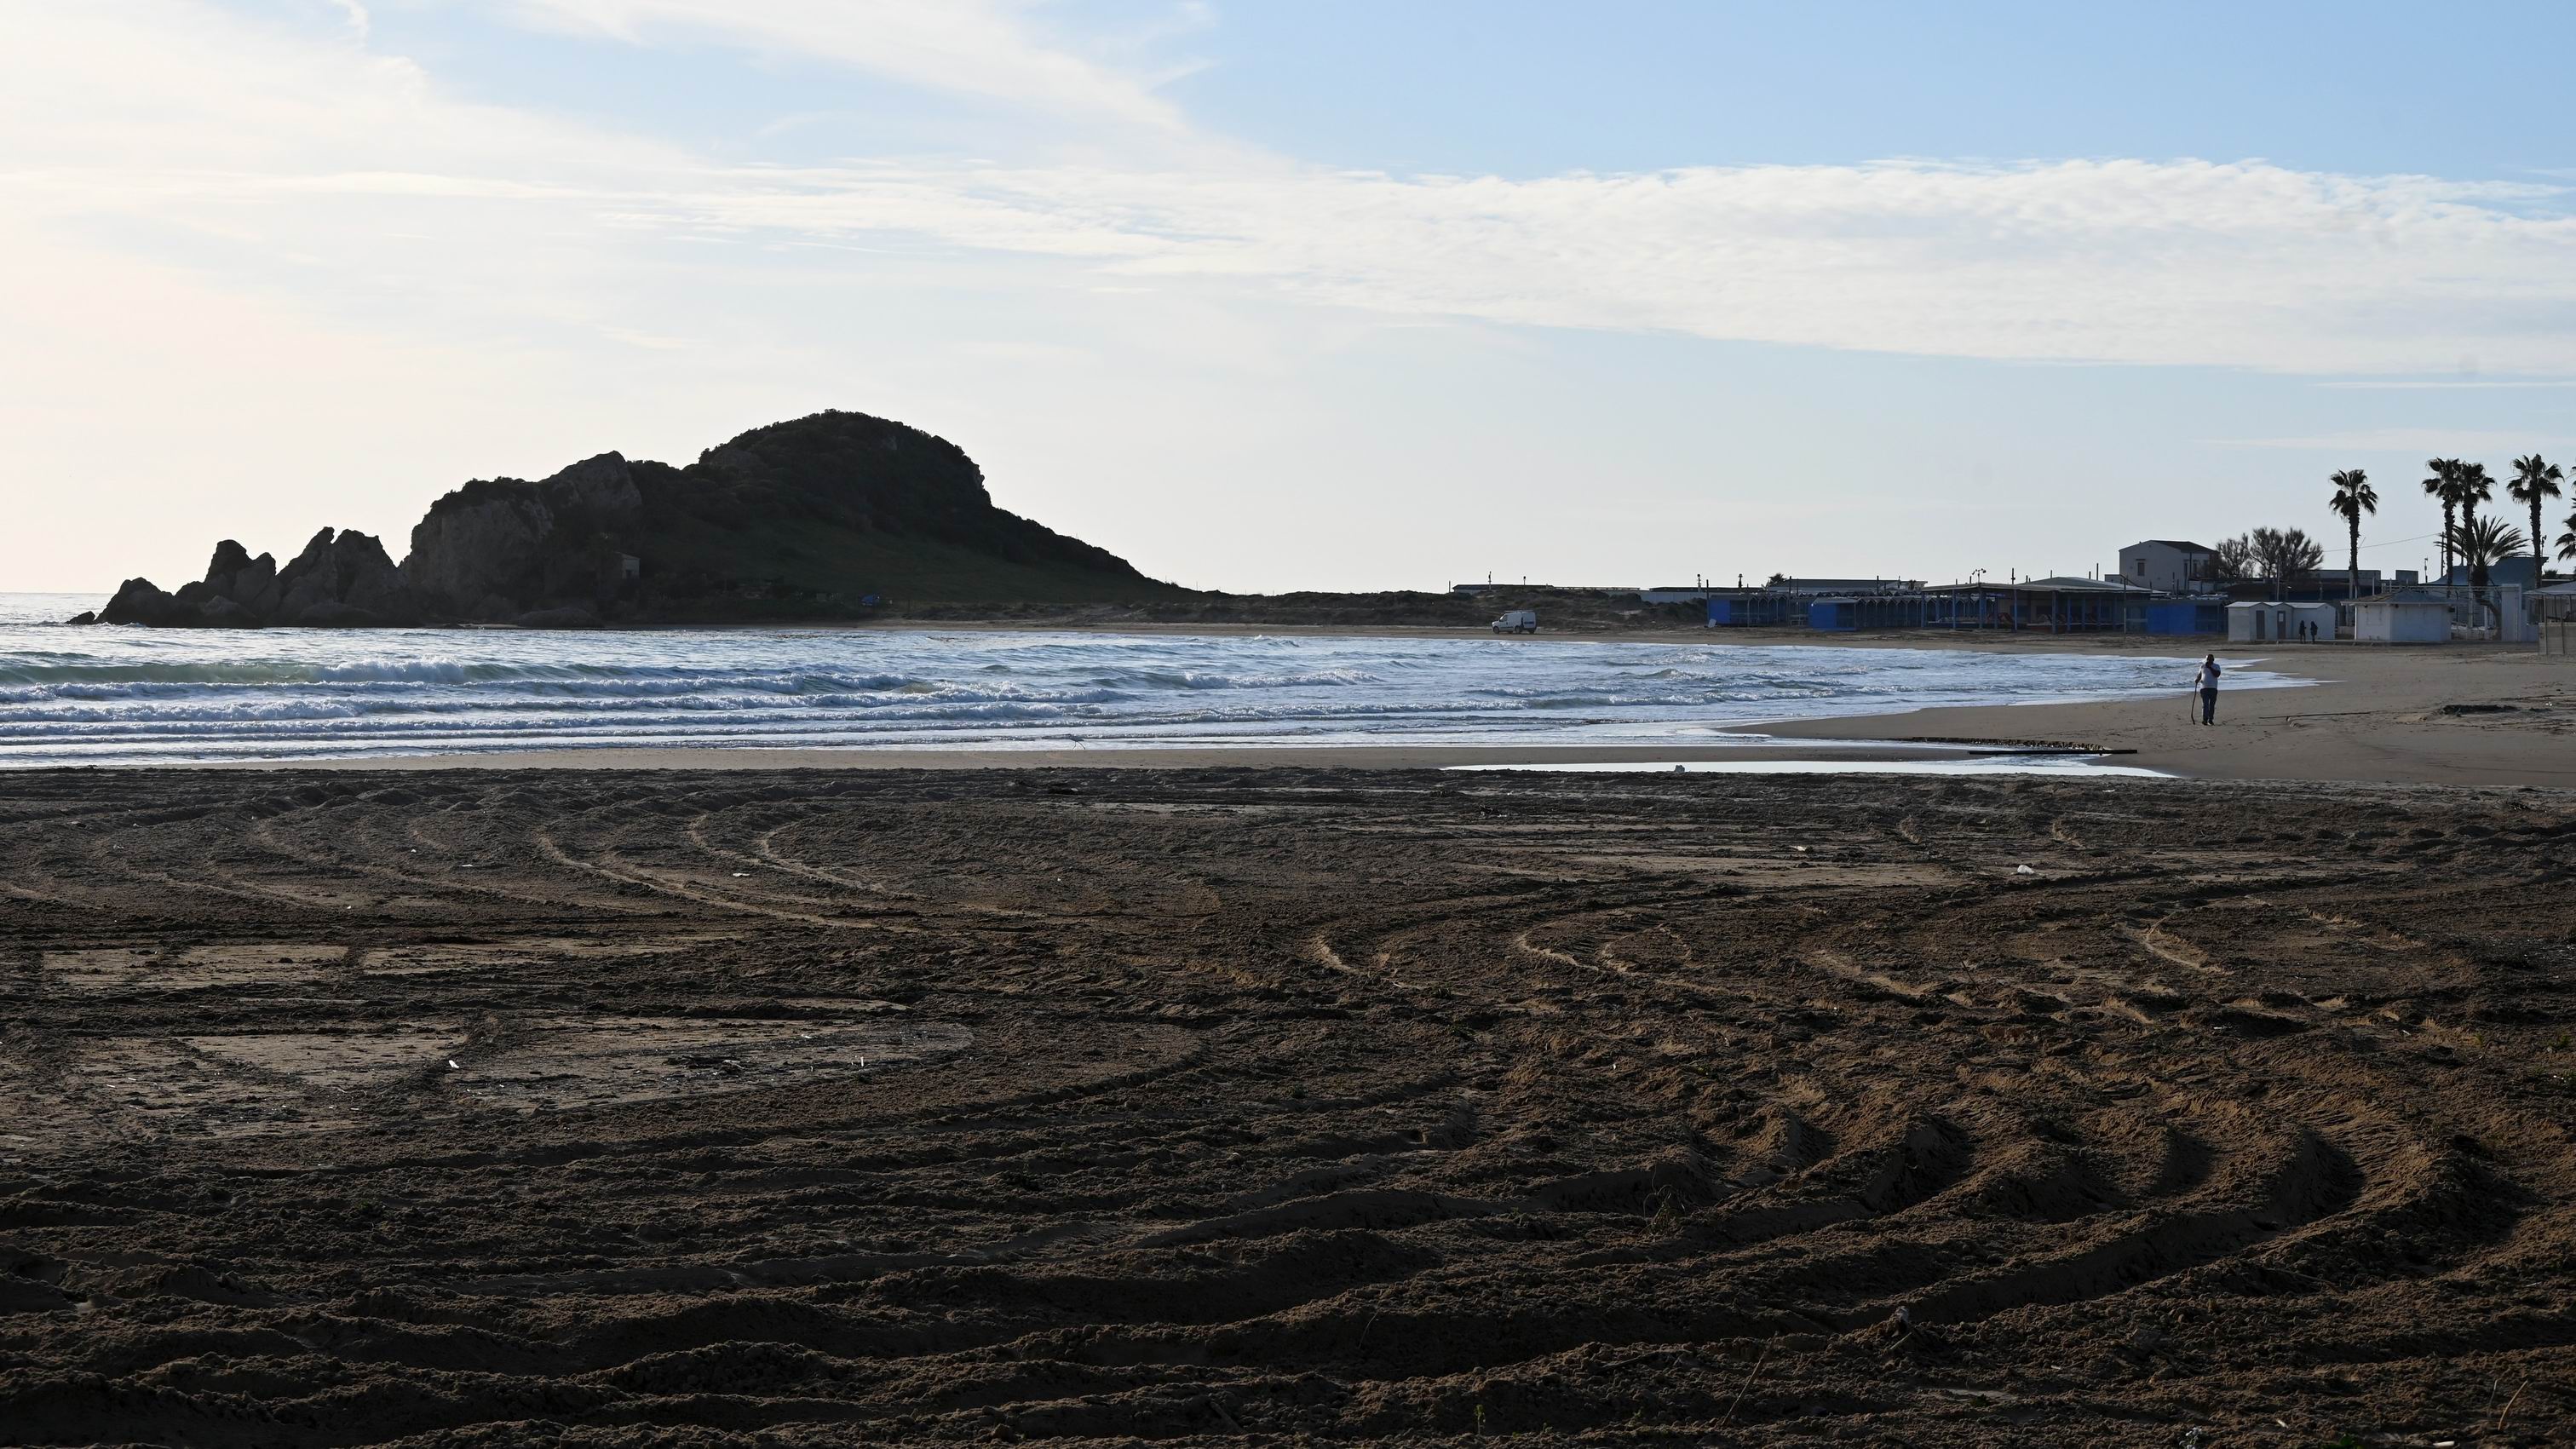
(125, 696)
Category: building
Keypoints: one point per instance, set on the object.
(2187, 616)
(1782, 583)
(2166, 565)
(2402, 618)
(2520, 569)
(2054, 606)
(2340, 583)
(2554, 604)
(2250, 622)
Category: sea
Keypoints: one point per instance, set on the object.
(92, 695)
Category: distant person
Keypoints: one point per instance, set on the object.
(2206, 681)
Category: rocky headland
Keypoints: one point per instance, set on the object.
(828, 516)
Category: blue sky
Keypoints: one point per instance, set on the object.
(1322, 294)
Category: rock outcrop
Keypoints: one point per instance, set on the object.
(495, 550)
(820, 517)
(140, 601)
(342, 579)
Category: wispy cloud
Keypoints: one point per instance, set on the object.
(2510, 384)
(112, 110)
(254, 230)
(2181, 262)
(2409, 442)
(973, 47)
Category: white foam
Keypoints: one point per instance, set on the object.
(104, 696)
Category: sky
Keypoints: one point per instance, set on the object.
(1278, 294)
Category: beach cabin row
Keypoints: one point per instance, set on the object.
(2256, 623)
(2052, 606)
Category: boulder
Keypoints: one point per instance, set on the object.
(222, 613)
(249, 582)
(85, 616)
(312, 577)
(342, 580)
(369, 580)
(140, 601)
(230, 558)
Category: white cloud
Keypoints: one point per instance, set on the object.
(112, 112)
(2183, 262)
(972, 47)
(254, 232)
(2412, 442)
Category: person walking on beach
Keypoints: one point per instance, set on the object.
(2205, 679)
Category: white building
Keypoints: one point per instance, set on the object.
(2166, 565)
(2254, 622)
(2402, 619)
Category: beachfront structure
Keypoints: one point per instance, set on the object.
(1883, 611)
(1818, 588)
(2342, 584)
(2554, 604)
(2255, 622)
(2407, 617)
(2166, 565)
(2242, 611)
(2186, 616)
(2069, 605)
(2517, 569)
(2058, 605)
(2553, 617)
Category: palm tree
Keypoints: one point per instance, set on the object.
(2353, 497)
(2482, 543)
(2533, 480)
(2444, 484)
(2567, 540)
(2475, 487)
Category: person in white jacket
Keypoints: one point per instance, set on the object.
(2205, 679)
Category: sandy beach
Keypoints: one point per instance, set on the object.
(2468, 716)
(482, 1107)
(736, 1097)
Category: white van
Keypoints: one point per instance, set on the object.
(1518, 621)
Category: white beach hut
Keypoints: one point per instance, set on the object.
(2402, 619)
(2257, 622)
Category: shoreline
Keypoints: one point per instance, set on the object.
(1151, 757)
(2462, 715)
(1978, 640)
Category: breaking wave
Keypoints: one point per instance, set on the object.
(109, 696)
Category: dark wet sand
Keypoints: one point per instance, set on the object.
(482, 1107)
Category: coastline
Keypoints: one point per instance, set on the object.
(2465, 715)
(1120, 757)
(2461, 716)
